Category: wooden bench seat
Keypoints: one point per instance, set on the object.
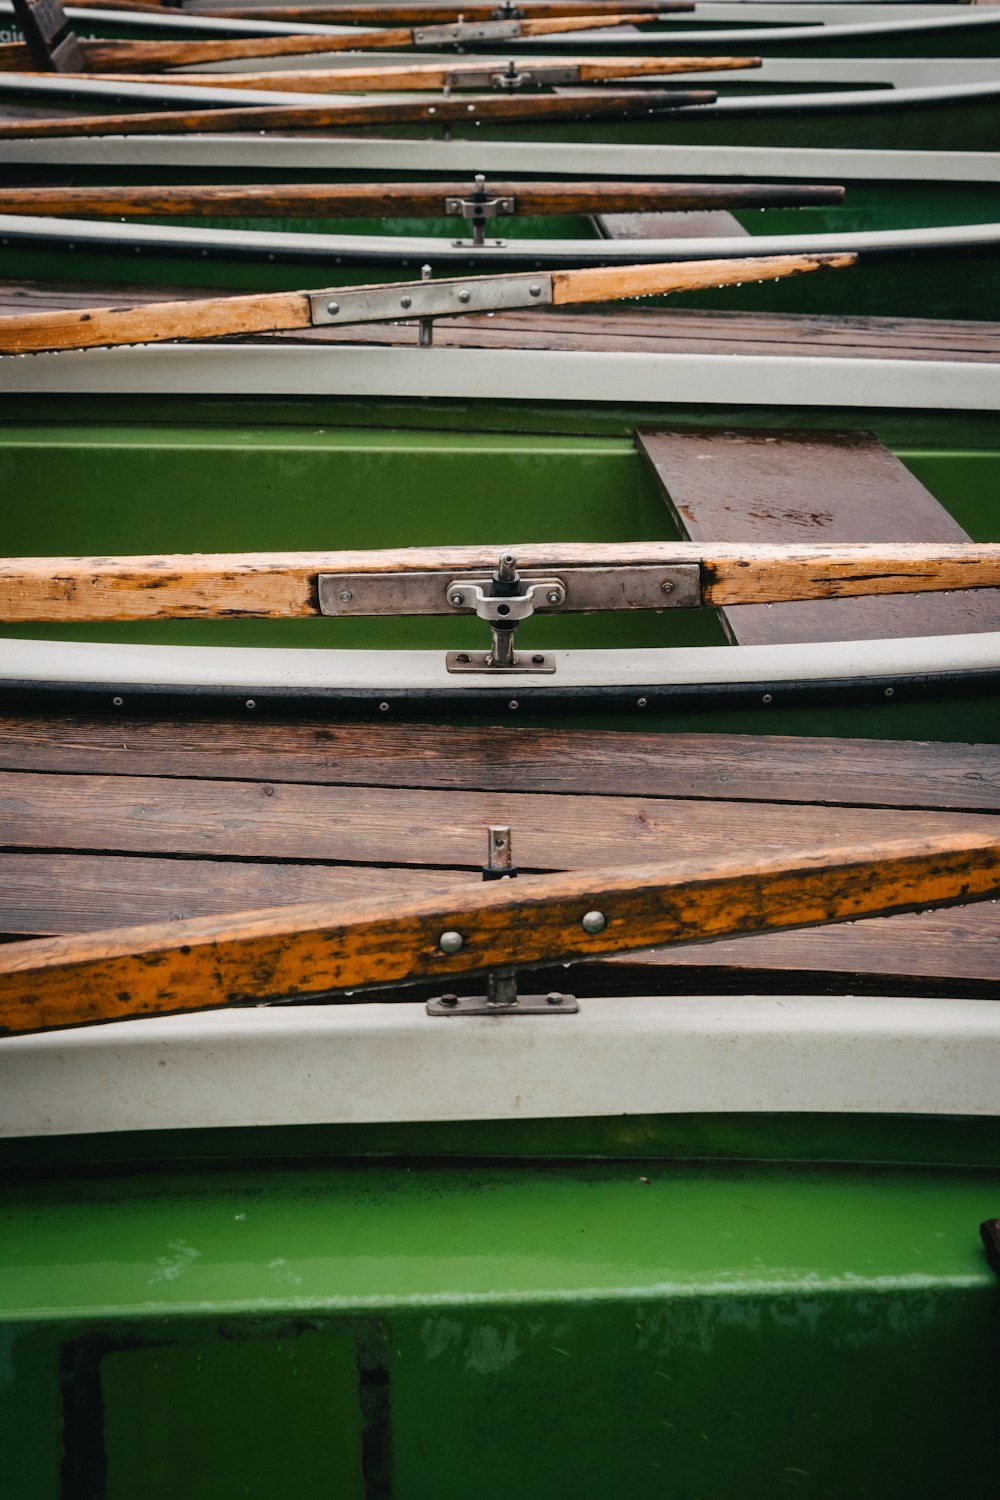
(114, 822)
(785, 487)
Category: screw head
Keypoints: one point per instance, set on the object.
(345, 596)
(250, 703)
(464, 296)
(555, 998)
(538, 660)
(641, 702)
(451, 941)
(406, 301)
(448, 1000)
(594, 921)
(666, 587)
(117, 701)
(333, 308)
(534, 290)
(383, 708)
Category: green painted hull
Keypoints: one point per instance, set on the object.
(288, 1313)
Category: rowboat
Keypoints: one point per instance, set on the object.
(395, 698)
(725, 1162)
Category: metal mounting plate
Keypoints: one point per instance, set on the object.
(525, 1005)
(483, 31)
(588, 590)
(429, 299)
(525, 663)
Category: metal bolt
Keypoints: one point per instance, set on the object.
(555, 998)
(333, 308)
(383, 708)
(463, 657)
(448, 1000)
(594, 921)
(464, 296)
(534, 290)
(666, 587)
(118, 702)
(538, 661)
(456, 600)
(513, 704)
(554, 596)
(250, 703)
(406, 301)
(641, 702)
(889, 692)
(451, 941)
(345, 596)
(766, 698)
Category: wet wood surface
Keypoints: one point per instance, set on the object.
(285, 585)
(111, 821)
(460, 931)
(99, 326)
(406, 199)
(632, 329)
(786, 486)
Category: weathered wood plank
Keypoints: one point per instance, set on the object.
(784, 486)
(574, 105)
(653, 225)
(153, 56)
(316, 949)
(397, 199)
(721, 767)
(403, 826)
(215, 317)
(393, 77)
(56, 894)
(272, 585)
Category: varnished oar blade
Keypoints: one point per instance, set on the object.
(280, 585)
(405, 199)
(221, 317)
(599, 104)
(319, 949)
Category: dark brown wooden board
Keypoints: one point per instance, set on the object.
(760, 486)
(733, 767)
(685, 225)
(402, 826)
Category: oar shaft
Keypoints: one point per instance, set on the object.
(389, 200)
(318, 949)
(60, 590)
(317, 117)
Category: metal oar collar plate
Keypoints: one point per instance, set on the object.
(431, 299)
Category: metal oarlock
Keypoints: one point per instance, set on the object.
(501, 998)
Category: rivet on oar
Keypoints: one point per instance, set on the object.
(594, 921)
(464, 296)
(406, 301)
(333, 308)
(534, 290)
(451, 941)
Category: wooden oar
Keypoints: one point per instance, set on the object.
(225, 317)
(114, 56)
(318, 949)
(406, 199)
(390, 12)
(463, 73)
(603, 104)
(285, 585)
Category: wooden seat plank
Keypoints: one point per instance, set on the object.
(765, 486)
(337, 824)
(715, 223)
(728, 767)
